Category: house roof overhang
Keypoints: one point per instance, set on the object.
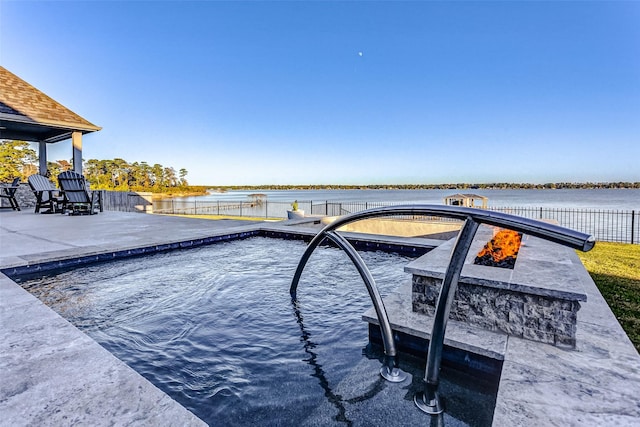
(28, 114)
(31, 130)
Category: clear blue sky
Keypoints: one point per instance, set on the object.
(343, 92)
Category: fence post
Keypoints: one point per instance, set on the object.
(240, 208)
(266, 209)
(195, 207)
(633, 224)
(218, 207)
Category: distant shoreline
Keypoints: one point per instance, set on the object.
(458, 187)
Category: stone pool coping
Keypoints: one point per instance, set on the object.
(596, 384)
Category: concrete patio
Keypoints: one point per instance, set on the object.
(53, 374)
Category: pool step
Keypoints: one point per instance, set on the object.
(366, 399)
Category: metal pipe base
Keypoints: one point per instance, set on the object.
(430, 405)
(392, 374)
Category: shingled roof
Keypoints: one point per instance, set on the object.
(28, 114)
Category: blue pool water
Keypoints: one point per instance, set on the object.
(214, 327)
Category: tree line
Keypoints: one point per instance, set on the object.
(456, 186)
(120, 175)
(18, 159)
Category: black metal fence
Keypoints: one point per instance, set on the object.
(252, 208)
(606, 225)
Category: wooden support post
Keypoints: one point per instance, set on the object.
(42, 158)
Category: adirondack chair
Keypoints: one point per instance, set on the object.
(77, 195)
(47, 195)
(10, 193)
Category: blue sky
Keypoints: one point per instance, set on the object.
(343, 92)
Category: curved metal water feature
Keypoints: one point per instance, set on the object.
(429, 401)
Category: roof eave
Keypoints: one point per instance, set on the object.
(26, 129)
(84, 127)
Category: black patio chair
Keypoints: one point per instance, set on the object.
(47, 195)
(77, 195)
(9, 192)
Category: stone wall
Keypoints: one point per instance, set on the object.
(538, 300)
(24, 196)
(539, 318)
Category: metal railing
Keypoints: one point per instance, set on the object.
(428, 401)
(605, 225)
(248, 208)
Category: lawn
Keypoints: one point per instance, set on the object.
(615, 268)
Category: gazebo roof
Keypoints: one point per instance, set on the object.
(466, 196)
(28, 114)
(466, 199)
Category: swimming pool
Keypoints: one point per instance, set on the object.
(214, 327)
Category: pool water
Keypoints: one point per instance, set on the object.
(214, 327)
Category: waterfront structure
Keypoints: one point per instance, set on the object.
(466, 200)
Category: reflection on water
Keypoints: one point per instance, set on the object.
(318, 372)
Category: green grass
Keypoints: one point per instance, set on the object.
(615, 268)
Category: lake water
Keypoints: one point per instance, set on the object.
(616, 199)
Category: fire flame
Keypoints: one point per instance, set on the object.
(504, 244)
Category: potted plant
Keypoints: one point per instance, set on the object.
(295, 213)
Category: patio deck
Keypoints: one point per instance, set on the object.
(53, 374)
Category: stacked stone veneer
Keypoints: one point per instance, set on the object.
(538, 300)
(534, 317)
(24, 197)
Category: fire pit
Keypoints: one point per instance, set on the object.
(501, 251)
(537, 298)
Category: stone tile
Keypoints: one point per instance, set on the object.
(536, 249)
(598, 382)
(531, 396)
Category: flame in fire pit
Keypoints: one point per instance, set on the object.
(501, 250)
